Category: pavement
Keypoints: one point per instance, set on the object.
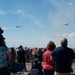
(28, 66)
(73, 66)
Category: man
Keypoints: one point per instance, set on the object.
(22, 57)
(63, 57)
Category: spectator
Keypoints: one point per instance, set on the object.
(4, 53)
(22, 56)
(37, 65)
(40, 53)
(34, 55)
(27, 54)
(63, 57)
(12, 55)
(48, 65)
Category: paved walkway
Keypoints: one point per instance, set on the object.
(28, 65)
(73, 66)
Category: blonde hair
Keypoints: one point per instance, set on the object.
(35, 50)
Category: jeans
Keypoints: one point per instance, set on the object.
(48, 72)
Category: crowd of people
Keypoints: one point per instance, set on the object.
(56, 60)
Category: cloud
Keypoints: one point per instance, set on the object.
(2, 12)
(63, 13)
(22, 13)
(71, 4)
(28, 42)
(70, 37)
(31, 17)
(36, 21)
(43, 42)
(15, 12)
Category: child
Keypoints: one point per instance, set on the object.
(37, 65)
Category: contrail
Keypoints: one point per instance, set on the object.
(11, 27)
(8, 28)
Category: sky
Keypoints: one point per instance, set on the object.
(41, 21)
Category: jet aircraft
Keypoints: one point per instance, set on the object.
(18, 26)
(66, 24)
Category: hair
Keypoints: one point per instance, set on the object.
(1, 31)
(12, 48)
(51, 45)
(21, 47)
(36, 60)
(64, 42)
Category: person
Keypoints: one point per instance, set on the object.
(4, 53)
(37, 65)
(63, 57)
(12, 55)
(2, 39)
(36, 69)
(48, 65)
(21, 54)
(40, 53)
(34, 55)
(27, 54)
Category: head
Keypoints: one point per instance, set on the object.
(1, 31)
(64, 42)
(36, 60)
(51, 46)
(12, 49)
(35, 51)
(20, 47)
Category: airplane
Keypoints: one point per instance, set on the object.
(18, 26)
(66, 24)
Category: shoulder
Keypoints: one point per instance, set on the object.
(24, 51)
(70, 50)
(47, 52)
(57, 49)
(18, 51)
(4, 49)
(1, 37)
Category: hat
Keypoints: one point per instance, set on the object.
(1, 31)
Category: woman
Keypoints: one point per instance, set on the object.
(12, 55)
(34, 55)
(48, 65)
(3, 55)
(21, 54)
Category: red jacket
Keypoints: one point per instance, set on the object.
(47, 63)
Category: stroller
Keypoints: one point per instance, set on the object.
(15, 67)
(33, 72)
